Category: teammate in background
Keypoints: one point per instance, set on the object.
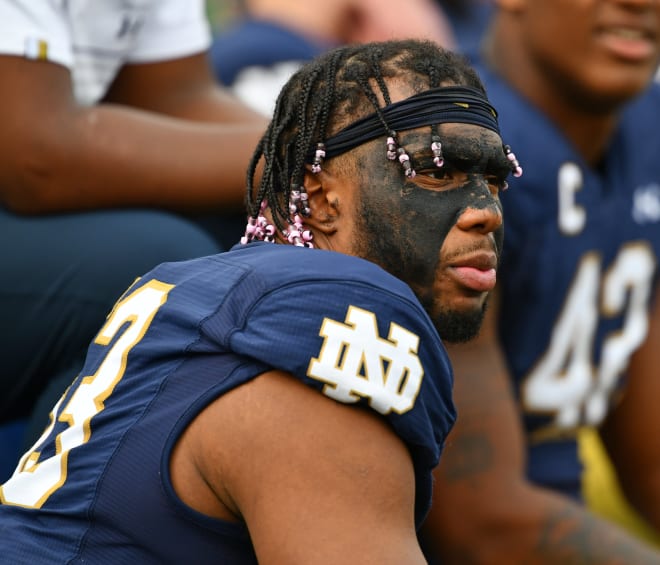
(468, 20)
(109, 113)
(572, 339)
(374, 233)
(257, 53)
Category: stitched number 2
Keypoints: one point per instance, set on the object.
(565, 381)
(35, 479)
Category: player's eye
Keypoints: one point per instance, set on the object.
(445, 173)
(435, 178)
(436, 173)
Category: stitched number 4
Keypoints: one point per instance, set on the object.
(565, 381)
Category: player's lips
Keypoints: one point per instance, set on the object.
(477, 272)
(632, 42)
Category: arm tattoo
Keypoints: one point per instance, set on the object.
(471, 455)
(576, 537)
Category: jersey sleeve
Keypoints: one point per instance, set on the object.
(330, 332)
(35, 30)
(360, 344)
(173, 29)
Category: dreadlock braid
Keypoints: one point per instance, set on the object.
(375, 57)
(328, 93)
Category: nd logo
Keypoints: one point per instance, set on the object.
(356, 362)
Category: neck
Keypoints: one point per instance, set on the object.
(570, 109)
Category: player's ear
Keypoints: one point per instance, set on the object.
(323, 198)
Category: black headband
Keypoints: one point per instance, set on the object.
(448, 104)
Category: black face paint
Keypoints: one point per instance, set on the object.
(410, 227)
(404, 226)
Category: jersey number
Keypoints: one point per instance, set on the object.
(565, 381)
(35, 479)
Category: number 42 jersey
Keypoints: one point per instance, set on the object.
(578, 271)
(96, 486)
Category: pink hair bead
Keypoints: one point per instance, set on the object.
(318, 158)
(436, 147)
(515, 165)
(404, 159)
(391, 148)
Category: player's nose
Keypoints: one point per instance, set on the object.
(484, 220)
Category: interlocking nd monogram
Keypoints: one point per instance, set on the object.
(356, 362)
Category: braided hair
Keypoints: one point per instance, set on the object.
(331, 92)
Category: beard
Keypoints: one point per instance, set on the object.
(452, 325)
(459, 327)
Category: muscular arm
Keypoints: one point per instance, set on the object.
(484, 510)
(165, 136)
(631, 431)
(316, 482)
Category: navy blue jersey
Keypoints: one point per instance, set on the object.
(96, 486)
(255, 58)
(250, 43)
(578, 272)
